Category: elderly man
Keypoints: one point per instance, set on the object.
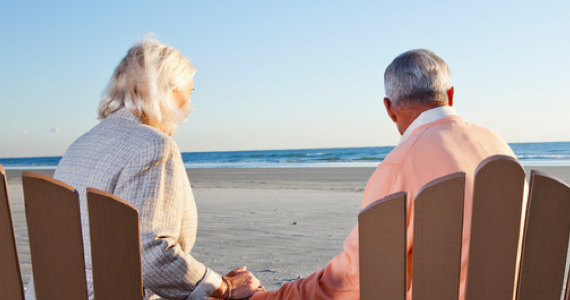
(435, 142)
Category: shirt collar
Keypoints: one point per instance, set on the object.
(123, 113)
(427, 117)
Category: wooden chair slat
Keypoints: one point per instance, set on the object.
(11, 283)
(56, 243)
(115, 247)
(382, 247)
(495, 229)
(567, 296)
(438, 223)
(546, 235)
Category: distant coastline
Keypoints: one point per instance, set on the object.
(529, 154)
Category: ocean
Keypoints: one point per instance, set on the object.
(529, 154)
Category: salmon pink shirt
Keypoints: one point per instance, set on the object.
(436, 144)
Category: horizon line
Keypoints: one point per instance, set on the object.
(290, 149)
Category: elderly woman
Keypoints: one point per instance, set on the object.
(130, 154)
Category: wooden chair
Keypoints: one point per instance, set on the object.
(497, 268)
(56, 242)
(10, 275)
(115, 247)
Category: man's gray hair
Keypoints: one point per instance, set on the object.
(417, 77)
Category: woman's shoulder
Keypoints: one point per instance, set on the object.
(151, 140)
(157, 140)
(131, 138)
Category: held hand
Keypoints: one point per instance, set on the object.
(242, 283)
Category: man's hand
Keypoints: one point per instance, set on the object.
(242, 284)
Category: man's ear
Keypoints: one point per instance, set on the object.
(390, 109)
(450, 93)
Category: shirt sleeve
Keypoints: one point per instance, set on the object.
(153, 181)
(340, 279)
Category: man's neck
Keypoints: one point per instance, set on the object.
(426, 117)
(407, 115)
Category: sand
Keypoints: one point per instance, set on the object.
(282, 224)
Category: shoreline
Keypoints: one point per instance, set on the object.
(351, 177)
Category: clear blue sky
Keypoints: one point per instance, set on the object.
(284, 74)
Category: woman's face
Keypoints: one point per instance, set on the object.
(182, 95)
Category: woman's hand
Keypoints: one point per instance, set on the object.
(242, 284)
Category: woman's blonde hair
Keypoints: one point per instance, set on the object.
(143, 83)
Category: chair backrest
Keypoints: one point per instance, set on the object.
(437, 237)
(10, 275)
(495, 229)
(546, 234)
(56, 242)
(495, 245)
(115, 247)
(382, 268)
(437, 243)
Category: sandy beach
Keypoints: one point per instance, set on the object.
(282, 224)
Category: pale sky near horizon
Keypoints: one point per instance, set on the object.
(284, 74)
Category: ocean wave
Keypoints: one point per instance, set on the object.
(328, 159)
(318, 154)
(543, 156)
(30, 162)
(527, 153)
(370, 159)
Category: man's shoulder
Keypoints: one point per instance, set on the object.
(463, 130)
(450, 134)
(454, 128)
